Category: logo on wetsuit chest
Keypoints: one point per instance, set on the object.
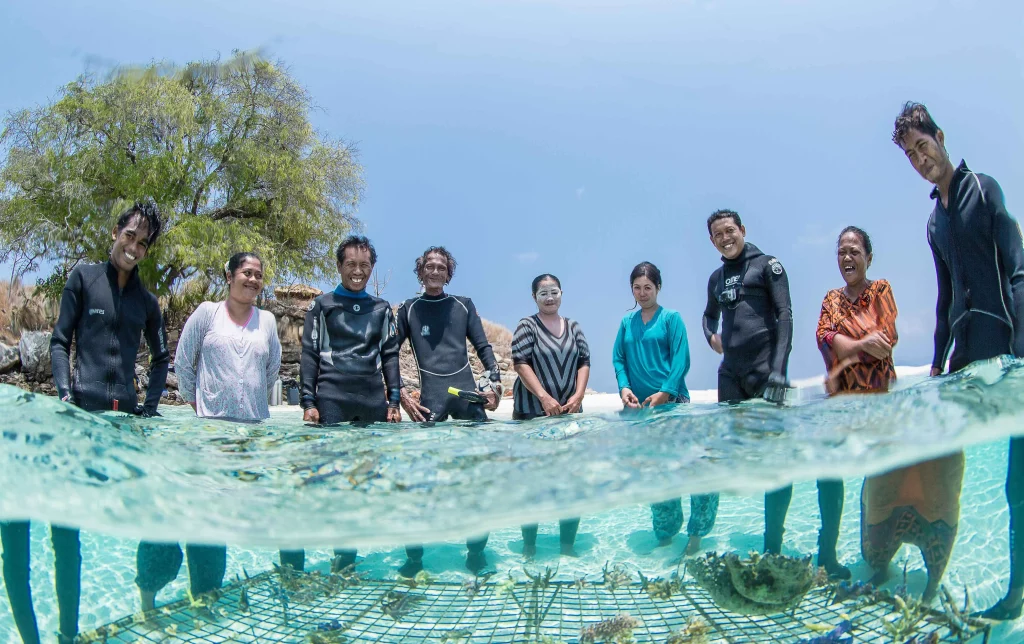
(732, 281)
(425, 331)
(356, 307)
(96, 311)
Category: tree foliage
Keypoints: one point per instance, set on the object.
(226, 149)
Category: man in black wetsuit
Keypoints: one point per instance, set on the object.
(750, 292)
(979, 263)
(106, 309)
(349, 366)
(437, 325)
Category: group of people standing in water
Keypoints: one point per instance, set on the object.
(228, 356)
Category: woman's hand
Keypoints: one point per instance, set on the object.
(574, 404)
(936, 371)
(311, 415)
(417, 412)
(629, 399)
(550, 405)
(876, 345)
(654, 400)
(394, 415)
(191, 404)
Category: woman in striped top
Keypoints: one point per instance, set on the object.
(552, 360)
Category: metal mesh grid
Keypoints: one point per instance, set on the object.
(498, 613)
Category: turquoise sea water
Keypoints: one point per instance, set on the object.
(285, 484)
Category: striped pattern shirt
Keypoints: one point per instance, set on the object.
(555, 360)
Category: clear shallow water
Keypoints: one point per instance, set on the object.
(287, 484)
(173, 478)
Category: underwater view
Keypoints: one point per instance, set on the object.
(284, 484)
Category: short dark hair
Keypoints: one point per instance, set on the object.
(914, 116)
(540, 278)
(440, 250)
(864, 239)
(648, 270)
(723, 214)
(238, 259)
(356, 241)
(148, 212)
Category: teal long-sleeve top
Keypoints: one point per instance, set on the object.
(652, 357)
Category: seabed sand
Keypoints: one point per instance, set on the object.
(621, 535)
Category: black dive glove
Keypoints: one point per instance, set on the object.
(775, 392)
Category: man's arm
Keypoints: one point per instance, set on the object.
(942, 304)
(160, 357)
(712, 312)
(477, 337)
(389, 357)
(309, 362)
(1010, 248)
(778, 289)
(63, 333)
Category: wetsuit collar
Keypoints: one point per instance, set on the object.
(961, 171)
(749, 251)
(112, 274)
(434, 297)
(341, 291)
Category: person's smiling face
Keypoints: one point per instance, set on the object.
(548, 297)
(131, 244)
(728, 237)
(645, 292)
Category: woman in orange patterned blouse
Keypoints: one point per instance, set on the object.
(919, 504)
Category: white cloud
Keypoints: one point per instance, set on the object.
(528, 257)
(580, 191)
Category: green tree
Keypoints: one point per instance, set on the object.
(226, 149)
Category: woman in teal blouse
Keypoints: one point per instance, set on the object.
(651, 358)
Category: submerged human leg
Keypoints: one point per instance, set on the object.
(413, 562)
(936, 543)
(67, 554)
(881, 542)
(1009, 607)
(343, 558)
(14, 536)
(567, 529)
(667, 518)
(294, 558)
(830, 505)
(206, 566)
(529, 540)
(475, 559)
(156, 565)
(776, 506)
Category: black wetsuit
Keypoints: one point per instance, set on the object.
(349, 371)
(437, 327)
(979, 263)
(107, 323)
(751, 294)
(348, 343)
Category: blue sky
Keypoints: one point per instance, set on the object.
(580, 138)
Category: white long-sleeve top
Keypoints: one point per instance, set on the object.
(227, 369)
